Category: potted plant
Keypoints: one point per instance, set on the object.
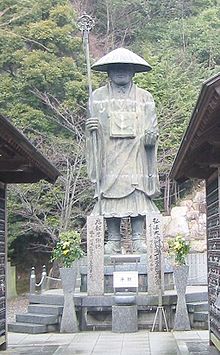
(68, 249)
(67, 252)
(179, 248)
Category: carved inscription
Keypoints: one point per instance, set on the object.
(154, 255)
(95, 255)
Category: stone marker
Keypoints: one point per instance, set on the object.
(124, 318)
(95, 255)
(11, 281)
(154, 254)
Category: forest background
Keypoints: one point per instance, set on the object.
(43, 90)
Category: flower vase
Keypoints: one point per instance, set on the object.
(69, 323)
(181, 320)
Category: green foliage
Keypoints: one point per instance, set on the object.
(39, 51)
(183, 51)
(42, 86)
(179, 248)
(67, 249)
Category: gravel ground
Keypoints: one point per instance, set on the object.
(17, 305)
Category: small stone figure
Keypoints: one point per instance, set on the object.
(124, 119)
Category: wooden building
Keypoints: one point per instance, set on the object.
(20, 162)
(199, 157)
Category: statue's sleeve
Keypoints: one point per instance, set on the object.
(151, 151)
(94, 142)
(150, 115)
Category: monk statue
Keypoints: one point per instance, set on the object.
(123, 117)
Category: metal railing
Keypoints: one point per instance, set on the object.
(43, 285)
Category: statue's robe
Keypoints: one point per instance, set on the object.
(127, 166)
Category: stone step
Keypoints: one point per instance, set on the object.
(45, 319)
(197, 297)
(49, 299)
(32, 328)
(29, 328)
(142, 299)
(197, 306)
(201, 325)
(45, 309)
(201, 316)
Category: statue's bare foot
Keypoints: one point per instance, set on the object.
(112, 247)
(139, 247)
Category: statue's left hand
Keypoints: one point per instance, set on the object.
(150, 138)
(92, 124)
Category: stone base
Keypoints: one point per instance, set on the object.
(95, 312)
(124, 319)
(142, 274)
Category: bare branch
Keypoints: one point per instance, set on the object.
(2, 13)
(63, 116)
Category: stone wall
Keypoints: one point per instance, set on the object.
(189, 220)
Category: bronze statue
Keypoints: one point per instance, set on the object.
(124, 119)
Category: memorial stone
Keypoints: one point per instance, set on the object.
(11, 281)
(95, 255)
(154, 255)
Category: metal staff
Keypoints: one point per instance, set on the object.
(85, 24)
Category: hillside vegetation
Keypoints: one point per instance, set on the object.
(43, 89)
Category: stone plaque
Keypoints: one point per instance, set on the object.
(95, 255)
(125, 279)
(154, 253)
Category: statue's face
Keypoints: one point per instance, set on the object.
(121, 74)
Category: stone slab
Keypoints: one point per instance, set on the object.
(201, 316)
(154, 240)
(11, 281)
(124, 299)
(20, 327)
(124, 319)
(45, 309)
(127, 258)
(95, 255)
(37, 318)
(99, 342)
(141, 267)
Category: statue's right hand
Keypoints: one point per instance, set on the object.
(92, 124)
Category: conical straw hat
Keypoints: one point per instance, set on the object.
(121, 56)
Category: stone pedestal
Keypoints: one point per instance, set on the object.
(154, 253)
(181, 321)
(124, 319)
(95, 255)
(69, 323)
